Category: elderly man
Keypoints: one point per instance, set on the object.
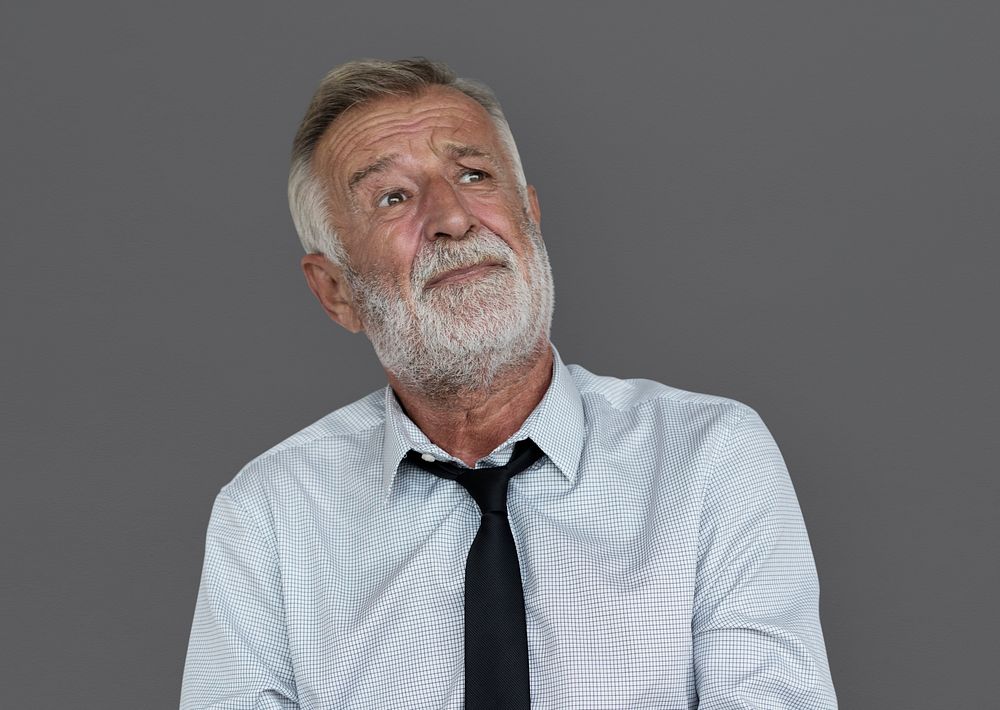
(493, 529)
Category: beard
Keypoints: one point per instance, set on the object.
(459, 336)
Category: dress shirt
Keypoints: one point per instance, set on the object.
(664, 557)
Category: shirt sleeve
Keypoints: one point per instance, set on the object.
(238, 655)
(757, 638)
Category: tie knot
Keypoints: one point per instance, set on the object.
(487, 486)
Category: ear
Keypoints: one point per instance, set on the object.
(326, 281)
(534, 209)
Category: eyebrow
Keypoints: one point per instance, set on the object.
(379, 166)
(457, 151)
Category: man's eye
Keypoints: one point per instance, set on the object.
(472, 176)
(391, 198)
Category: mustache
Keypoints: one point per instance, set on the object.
(445, 255)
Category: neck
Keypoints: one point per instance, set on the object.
(471, 423)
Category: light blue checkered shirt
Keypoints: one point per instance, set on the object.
(664, 558)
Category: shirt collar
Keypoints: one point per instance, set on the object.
(556, 425)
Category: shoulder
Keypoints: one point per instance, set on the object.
(724, 440)
(636, 396)
(643, 415)
(346, 434)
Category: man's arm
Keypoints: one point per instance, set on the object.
(238, 654)
(757, 636)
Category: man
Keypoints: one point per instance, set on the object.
(638, 545)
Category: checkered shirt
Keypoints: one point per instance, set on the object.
(664, 558)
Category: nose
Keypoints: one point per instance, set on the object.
(447, 213)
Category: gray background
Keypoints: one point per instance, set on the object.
(791, 204)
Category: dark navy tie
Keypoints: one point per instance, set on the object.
(496, 637)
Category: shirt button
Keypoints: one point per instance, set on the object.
(427, 457)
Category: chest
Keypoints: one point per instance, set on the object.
(375, 597)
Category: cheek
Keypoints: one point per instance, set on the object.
(506, 221)
(487, 206)
(391, 251)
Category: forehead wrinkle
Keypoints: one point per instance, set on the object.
(361, 126)
(366, 130)
(370, 134)
(386, 122)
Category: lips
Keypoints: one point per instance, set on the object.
(463, 273)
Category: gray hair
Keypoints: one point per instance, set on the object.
(354, 84)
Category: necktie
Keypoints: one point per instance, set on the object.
(496, 637)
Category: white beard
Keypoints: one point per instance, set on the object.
(458, 337)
